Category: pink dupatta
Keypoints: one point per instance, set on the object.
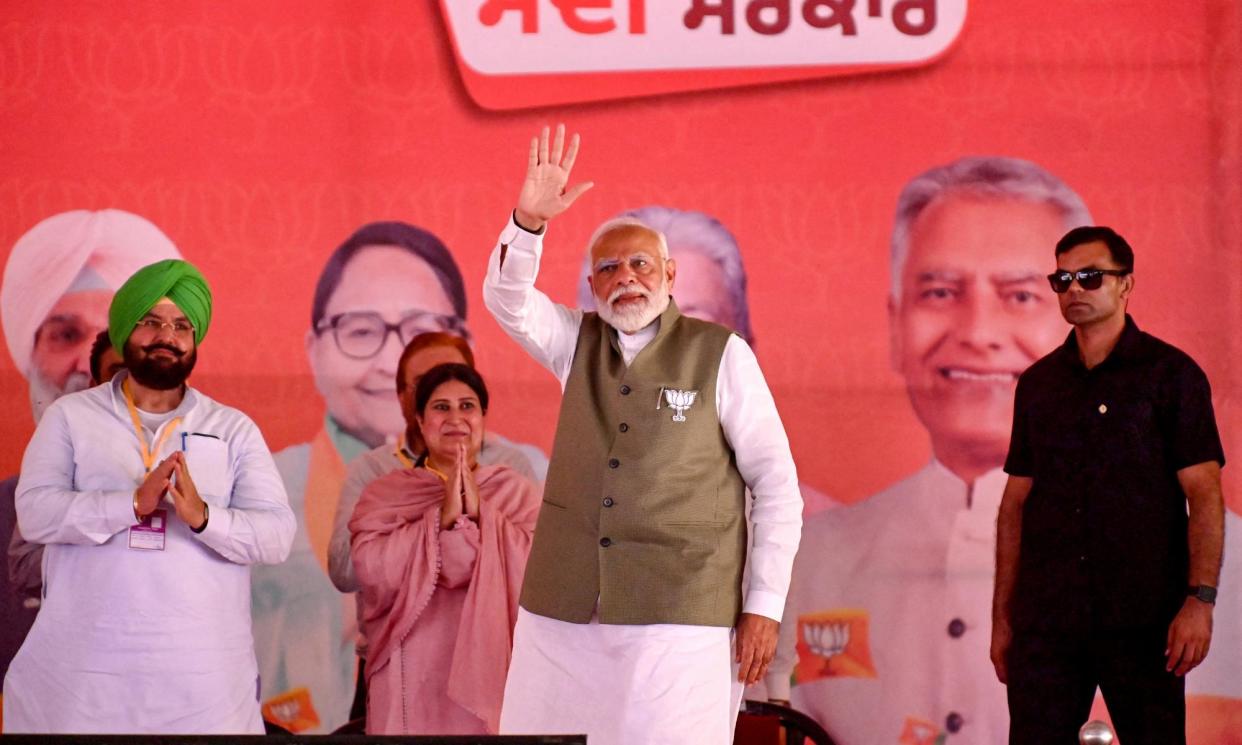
(395, 546)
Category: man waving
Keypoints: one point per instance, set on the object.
(634, 625)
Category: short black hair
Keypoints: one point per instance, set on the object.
(1118, 248)
(416, 241)
(441, 374)
(101, 344)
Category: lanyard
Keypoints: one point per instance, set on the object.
(148, 455)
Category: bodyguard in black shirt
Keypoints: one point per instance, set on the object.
(1102, 578)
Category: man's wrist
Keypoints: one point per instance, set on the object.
(206, 516)
(1205, 594)
(529, 223)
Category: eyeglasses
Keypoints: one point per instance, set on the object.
(1088, 279)
(362, 334)
(154, 326)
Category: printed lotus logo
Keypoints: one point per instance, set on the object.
(834, 644)
(920, 732)
(524, 53)
(292, 710)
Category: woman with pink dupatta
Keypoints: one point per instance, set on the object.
(440, 550)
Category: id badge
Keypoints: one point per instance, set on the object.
(148, 535)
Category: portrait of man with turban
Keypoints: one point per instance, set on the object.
(54, 296)
(145, 622)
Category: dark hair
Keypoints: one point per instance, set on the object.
(416, 241)
(101, 344)
(1118, 248)
(427, 341)
(441, 374)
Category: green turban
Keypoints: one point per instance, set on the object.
(174, 279)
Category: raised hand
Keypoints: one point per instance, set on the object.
(153, 487)
(544, 194)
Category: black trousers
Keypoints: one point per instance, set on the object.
(1053, 677)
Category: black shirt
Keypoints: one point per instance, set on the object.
(1104, 541)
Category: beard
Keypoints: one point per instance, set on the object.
(44, 391)
(159, 373)
(634, 316)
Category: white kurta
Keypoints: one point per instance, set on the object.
(659, 683)
(143, 641)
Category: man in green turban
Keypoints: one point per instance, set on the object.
(152, 502)
(179, 281)
(167, 293)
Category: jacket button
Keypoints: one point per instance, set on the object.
(608, 502)
(613, 462)
(625, 390)
(957, 627)
(624, 427)
(953, 723)
(605, 542)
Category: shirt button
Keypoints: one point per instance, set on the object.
(1103, 408)
(1082, 558)
(953, 723)
(608, 502)
(957, 627)
(625, 390)
(605, 542)
(613, 462)
(624, 427)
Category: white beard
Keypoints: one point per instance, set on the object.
(635, 316)
(43, 391)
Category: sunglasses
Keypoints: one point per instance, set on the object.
(1088, 279)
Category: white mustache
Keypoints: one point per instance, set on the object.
(630, 291)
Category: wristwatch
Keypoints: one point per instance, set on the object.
(1204, 593)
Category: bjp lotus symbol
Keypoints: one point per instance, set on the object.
(679, 401)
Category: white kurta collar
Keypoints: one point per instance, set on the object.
(632, 344)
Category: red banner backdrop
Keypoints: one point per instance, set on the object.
(259, 136)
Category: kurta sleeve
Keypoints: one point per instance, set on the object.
(753, 428)
(49, 509)
(547, 331)
(257, 527)
(25, 563)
